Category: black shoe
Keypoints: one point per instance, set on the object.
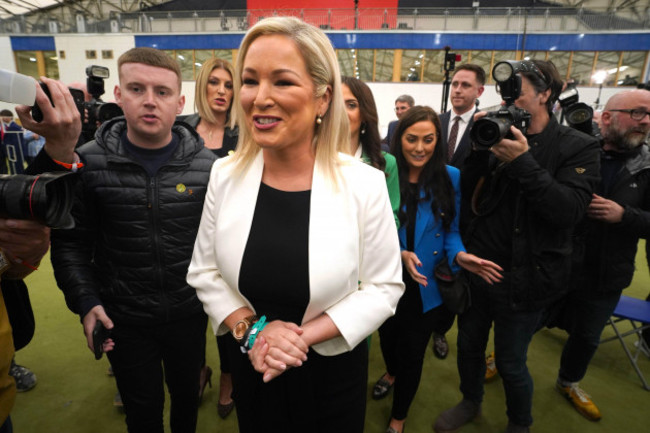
(440, 346)
(205, 378)
(224, 409)
(381, 389)
(514, 428)
(456, 417)
(25, 379)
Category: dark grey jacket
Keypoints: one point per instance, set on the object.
(605, 253)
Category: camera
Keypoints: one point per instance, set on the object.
(495, 126)
(578, 115)
(46, 198)
(98, 110)
(93, 112)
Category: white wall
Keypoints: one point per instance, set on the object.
(8, 63)
(73, 67)
(7, 54)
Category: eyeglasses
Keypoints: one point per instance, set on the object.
(635, 114)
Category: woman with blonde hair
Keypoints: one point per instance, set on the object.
(215, 123)
(297, 254)
(213, 99)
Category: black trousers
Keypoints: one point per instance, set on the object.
(144, 356)
(326, 394)
(223, 341)
(403, 339)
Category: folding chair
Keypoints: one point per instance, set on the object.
(634, 310)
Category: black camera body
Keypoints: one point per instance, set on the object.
(495, 125)
(97, 110)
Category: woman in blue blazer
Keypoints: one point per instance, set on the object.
(429, 213)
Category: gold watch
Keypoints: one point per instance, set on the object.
(240, 328)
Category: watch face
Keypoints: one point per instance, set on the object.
(239, 330)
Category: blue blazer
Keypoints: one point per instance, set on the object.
(432, 243)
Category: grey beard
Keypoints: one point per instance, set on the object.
(621, 141)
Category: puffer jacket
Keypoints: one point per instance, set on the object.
(605, 253)
(134, 234)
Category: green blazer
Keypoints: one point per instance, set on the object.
(392, 181)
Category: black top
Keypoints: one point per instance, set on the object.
(274, 273)
(611, 164)
(151, 159)
(493, 233)
(411, 216)
(230, 136)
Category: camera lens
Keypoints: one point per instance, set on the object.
(46, 198)
(488, 131)
(108, 111)
(579, 115)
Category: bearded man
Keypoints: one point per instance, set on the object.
(606, 240)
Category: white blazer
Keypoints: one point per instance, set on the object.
(355, 273)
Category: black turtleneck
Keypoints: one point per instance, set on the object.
(611, 164)
(151, 159)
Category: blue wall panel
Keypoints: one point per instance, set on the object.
(588, 42)
(187, 42)
(32, 43)
(424, 41)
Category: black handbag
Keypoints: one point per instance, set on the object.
(453, 288)
(19, 311)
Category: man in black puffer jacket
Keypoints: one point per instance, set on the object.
(606, 241)
(137, 211)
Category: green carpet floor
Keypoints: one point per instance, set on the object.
(74, 393)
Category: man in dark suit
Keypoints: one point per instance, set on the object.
(402, 104)
(466, 87)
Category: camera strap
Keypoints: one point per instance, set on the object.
(480, 197)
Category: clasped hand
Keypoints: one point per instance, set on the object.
(278, 347)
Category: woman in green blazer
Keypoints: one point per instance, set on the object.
(365, 141)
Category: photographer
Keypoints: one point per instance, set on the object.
(23, 243)
(528, 192)
(606, 240)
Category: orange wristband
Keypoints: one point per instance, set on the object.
(72, 167)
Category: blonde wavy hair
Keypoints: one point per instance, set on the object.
(332, 135)
(201, 102)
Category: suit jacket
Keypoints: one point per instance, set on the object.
(463, 145)
(432, 243)
(355, 271)
(386, 142)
